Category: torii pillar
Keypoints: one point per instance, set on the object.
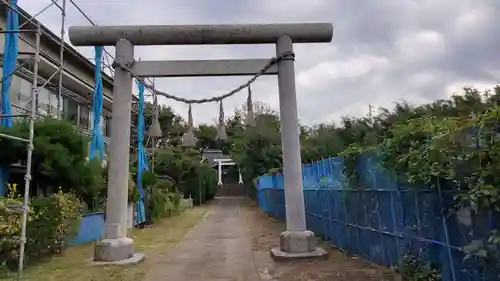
(296, 241)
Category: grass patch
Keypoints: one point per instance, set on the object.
(74, 263)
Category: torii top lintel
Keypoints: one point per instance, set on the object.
(200, 34)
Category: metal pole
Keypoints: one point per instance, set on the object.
(17, 31)
(61, 59)
(13, 138)
(47, 81)
(153, 139)
(27, 177)
(33, 17)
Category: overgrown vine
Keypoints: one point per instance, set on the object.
(351, 175)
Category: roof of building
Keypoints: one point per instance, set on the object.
(211, 154)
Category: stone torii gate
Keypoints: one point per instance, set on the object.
(226, 162)
(296, 241)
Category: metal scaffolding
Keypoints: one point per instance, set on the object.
(107, 66)
(32, 21)
(108, 57)
(29, 142)
(32, 112)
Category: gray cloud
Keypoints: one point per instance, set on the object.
(383, 50)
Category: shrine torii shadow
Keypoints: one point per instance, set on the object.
(296, 241)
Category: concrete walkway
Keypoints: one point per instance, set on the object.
(218, 248)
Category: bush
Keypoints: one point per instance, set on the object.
(52, 222)
(93, 188)
(148, 179)
(193, 177)
(133, 192)
(59, 158)
(207, 184)
(164, 186)
(164, 202)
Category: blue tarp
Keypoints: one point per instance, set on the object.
(142, 162)
(97, 140)
(11, 50)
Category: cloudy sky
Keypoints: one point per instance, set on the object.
(382, 50)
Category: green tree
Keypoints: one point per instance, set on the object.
(59, 157)
(191, 176)
(206, 137)
(256, 149)
(171, 124)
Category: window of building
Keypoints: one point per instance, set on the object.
(15, 85)
(84, 116)
(107, 126)
(71, 113)
(24, 93)
(91, 120)
(62, 104)
(44, 101)
(53, 103)
(102, 125)
(13, 93)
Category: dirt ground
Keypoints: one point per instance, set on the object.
(232, 242)
(339, 267)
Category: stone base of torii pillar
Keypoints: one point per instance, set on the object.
(298, 245)
(116, 252)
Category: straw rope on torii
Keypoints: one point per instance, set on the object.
(188, 138)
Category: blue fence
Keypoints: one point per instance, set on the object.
(383, 220)
(91, 228)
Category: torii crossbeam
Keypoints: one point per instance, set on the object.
(296, 241)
